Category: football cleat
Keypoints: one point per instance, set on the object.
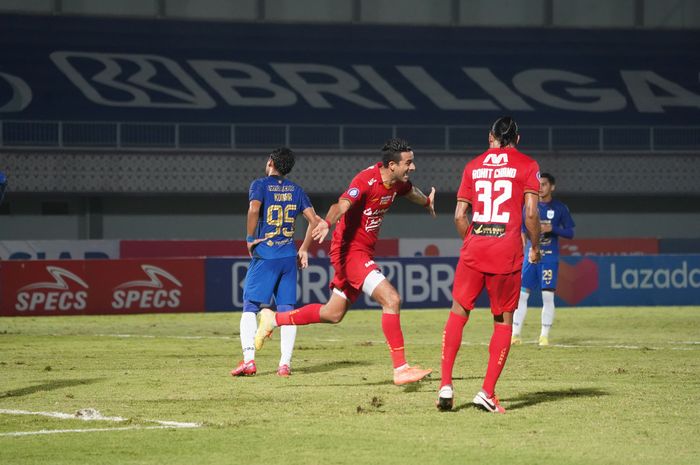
(410, 374)
(284, 371)
(267, 324)
(544, 341)
(445, 398)
(245, 369)
(490, 404)
(515, 340)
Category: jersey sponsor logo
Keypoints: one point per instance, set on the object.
(371, 181)
(19, 97)
(373, 223)
(490, 230)
(387, 199)
(53, 295)
(377, 212)
(369, 263)
(493, 159)
(161, 290)
(353, 192)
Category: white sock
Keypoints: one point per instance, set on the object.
(520, 313)
(288, 335)
(249, 325)
(547, 312)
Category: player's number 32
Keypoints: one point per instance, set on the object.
(491, 195)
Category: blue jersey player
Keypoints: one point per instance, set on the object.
(556, 222)
(274, 204)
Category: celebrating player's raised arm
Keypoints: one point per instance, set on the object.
(418, 197)
(335, 212)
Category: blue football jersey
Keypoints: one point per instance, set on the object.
(557, 214)
(282, 200)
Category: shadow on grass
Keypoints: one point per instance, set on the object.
(534, 398)
(326, 367)
(50, 386)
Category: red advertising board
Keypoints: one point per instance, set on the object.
(179, 248)
(229, 248)
(95, 287)
(616, 246)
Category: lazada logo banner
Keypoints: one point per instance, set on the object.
(91, 287)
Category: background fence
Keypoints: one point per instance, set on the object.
(184, 136)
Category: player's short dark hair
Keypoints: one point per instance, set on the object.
(392, 150)
(505, 131)
(283, 159)
(549, 177)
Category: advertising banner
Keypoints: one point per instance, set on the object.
(421, 282)
(92, 287)
(574, 247)
(182, 248)
(109, 69)
(225, 248)
(612, 246)
(627, 280)
(59, 249)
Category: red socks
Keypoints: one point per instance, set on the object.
(451, 341)
(498, 353)
(305, 315)
(391, 325)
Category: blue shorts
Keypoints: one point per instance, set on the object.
(541, 275)
(269, 279)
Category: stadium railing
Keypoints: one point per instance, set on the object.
(185, 136)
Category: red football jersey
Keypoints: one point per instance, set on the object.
(495, 183)
(358, 228)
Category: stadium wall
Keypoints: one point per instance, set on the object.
(123, 286)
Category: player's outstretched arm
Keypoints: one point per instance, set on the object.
(418, 197)
(532, 225)
(462, 217)
(334, 214)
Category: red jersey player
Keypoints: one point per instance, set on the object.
(495, 185)
(359, 213)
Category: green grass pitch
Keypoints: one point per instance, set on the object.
(618, 386)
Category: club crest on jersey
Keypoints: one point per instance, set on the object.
(353, 192)
(550, 214)
(493, 159)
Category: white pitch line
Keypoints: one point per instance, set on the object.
(90, 414)
(151, 336)
(85, 415)
(86, 430)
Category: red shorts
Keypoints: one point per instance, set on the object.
(351, 269)
(503, 289)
